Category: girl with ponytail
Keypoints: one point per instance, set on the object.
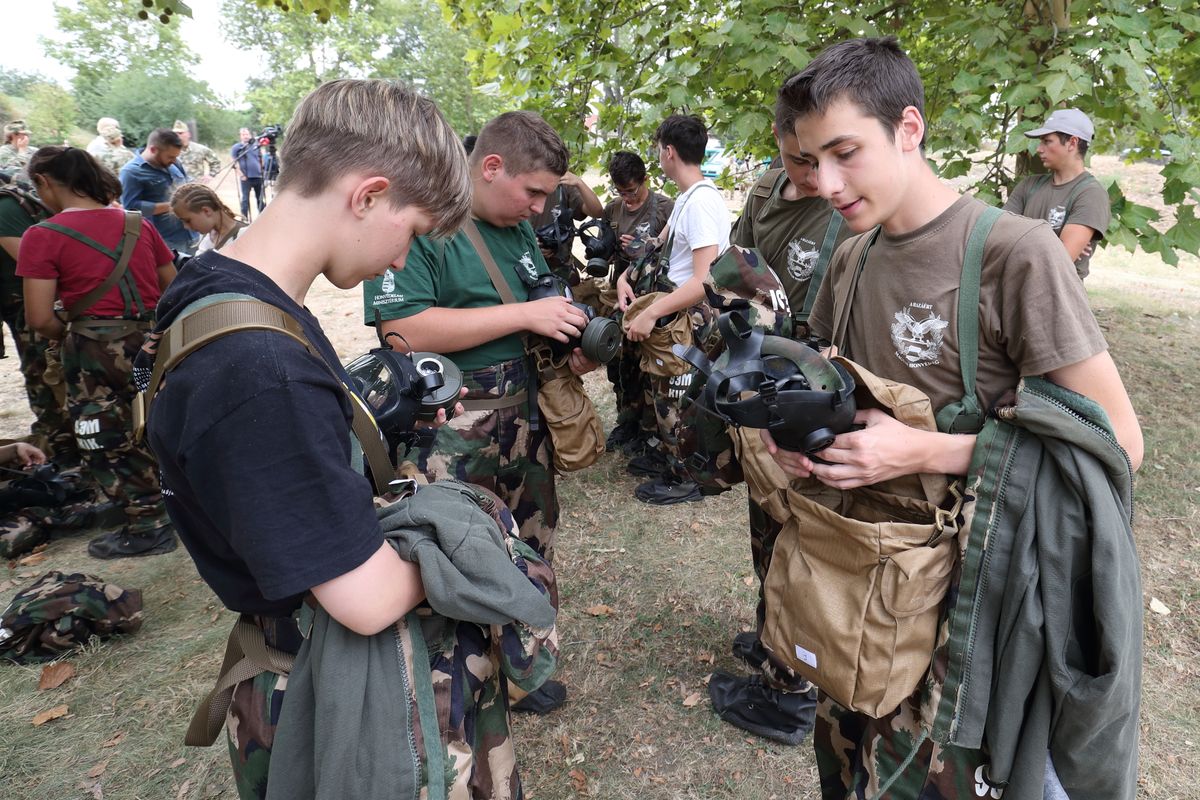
(202, 211)
(107, 268)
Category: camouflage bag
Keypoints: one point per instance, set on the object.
(60, 612)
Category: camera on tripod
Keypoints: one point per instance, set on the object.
(268, 138)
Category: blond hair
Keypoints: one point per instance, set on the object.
(525, 141)
(195, 197)
(382, 128)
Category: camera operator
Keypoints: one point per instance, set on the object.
(575, 199)
(247, 163)
(636, 214)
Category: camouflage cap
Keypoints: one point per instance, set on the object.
(181, 127)
(106, 125)
(741, 276)
(60, 612)
(16, 126)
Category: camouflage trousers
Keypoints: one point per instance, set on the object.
(100, 394)
(858, 755)
(498, 450)
(250, 731)
(41, 369)
(631, 388)
(665, 394)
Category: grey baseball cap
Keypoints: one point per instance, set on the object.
(1070, 121)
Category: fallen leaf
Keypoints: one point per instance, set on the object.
(599, 610)
(579, 780)
(44, 717)
(183, 790)
(566, 745)
(1159, 607)
(55, 675)
(179, 762)
(98, 770)
(695, 527)
(691, 700)
(748, 580)
(32, 560)
(115, 740)
(6, 585)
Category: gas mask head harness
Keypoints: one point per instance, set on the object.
(402, 388)
(770, 382)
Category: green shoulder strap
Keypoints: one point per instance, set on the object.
(124, 252)
(965, 416)
(814, 283)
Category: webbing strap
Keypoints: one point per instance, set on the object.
(489, 263)
(965, 416)
(664, 261)
(841, 310)
(124, 252)
(818, 275)
(247, 655)
(494, 403)
(199, 328)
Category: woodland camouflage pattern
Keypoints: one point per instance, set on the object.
(199, 160)
(100, 397)
(60, 612)
(469, 665)
(498, 451)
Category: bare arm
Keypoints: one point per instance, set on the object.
(1075, 238)
(166, 274)
(449, 330)
(40, 294)
(1097, 378)
(591, 203)
(374, 594)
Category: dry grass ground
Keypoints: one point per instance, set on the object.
(679, 585)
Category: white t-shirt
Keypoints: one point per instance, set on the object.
(700, 219)
(208, 241)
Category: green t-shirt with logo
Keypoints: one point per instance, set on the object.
(14, 221)
(449, 274)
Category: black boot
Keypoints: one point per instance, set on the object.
(749, 704)
(124, 544)
(547, 697)
(748, 647)
(669, 490)
(651, 464)
(622, 434)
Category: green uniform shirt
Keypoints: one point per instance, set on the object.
(13, 224)
(788, 234)
(1079, 201)
(449, 274)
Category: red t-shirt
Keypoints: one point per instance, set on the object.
(79, 268)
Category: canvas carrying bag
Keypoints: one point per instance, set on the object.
(570, 417)
(655, 350)
(858, 577)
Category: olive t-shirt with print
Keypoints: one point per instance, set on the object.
(1037, 197)
(648, 220)
(789, 235)
(1033, 312)
(450, 274)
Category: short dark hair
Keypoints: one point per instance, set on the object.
(469, 142)
(686, 133)
(625, 168)
(874, 74)
(525, 141)
(164, 137)
(1063, 138)
(77, 170)
(785, 118)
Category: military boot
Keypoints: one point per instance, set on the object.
(749, 648)
(547, 697)
(622, 434)
(752, 705)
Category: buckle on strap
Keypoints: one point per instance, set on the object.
(944, 518)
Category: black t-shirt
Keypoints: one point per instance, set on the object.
(252, 435)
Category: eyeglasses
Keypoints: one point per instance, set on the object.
(631, 192)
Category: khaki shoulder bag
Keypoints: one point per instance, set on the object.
(858, 577)
(571, 419)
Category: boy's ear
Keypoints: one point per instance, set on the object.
(368, 193)
(911, 129)
(491, 166)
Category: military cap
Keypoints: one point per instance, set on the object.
(180, 126)
(16, 126)
(106, 124)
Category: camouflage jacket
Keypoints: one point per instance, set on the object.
(199, 160)
(113, 158)
(10, 157)
(424, 702)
